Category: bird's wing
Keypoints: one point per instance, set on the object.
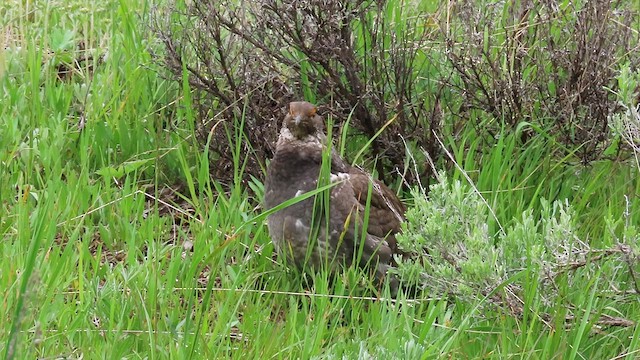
(349, 208)
(386, 210)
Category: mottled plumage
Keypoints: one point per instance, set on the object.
(295, 170)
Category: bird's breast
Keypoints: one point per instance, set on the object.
(288, 177)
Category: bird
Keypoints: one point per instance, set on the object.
(311, 233)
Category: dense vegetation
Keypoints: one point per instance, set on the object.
(133, 142)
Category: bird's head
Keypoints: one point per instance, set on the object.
(303, 121)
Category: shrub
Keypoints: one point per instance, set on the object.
(401, 74)
(248, 60)
(456, 257)
(550, 64)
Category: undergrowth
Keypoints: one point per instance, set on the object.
(455, 256)
(117, 241)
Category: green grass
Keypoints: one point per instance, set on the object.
(94, 267)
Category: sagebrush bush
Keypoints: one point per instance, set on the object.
(449, 230)
(251, 59)
(401, 75)
(455, 256)
(542, 62)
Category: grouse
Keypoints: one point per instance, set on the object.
(311, 235)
